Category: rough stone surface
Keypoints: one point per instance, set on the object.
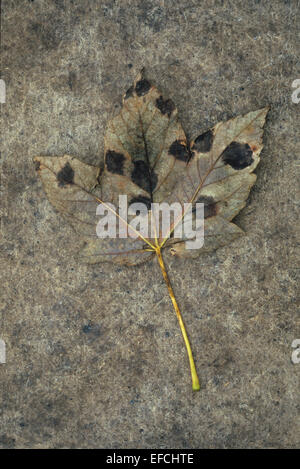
(95, 357)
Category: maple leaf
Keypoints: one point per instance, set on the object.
(148, 159)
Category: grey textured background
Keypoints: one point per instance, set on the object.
(95, 357)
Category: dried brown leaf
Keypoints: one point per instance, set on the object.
(148, 158)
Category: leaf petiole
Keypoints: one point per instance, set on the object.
(195, 380)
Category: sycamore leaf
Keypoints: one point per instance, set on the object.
(148, 159)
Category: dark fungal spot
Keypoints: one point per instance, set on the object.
(143, 176)
(203, 143)
(129, 93)
(180, 151)
(114, 162)
(238, 155)
(210, 207)
(65, 175)
(142, 87)
(165, 107)
(141, 199)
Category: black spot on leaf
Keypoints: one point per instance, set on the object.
(203, 143)
(238, 155)
(114, 162)
(165, 107)
(179, 150)
(129, 92)
(210, 207)
(141, 200)
(143, 176)
(142, 87)
(65, 175)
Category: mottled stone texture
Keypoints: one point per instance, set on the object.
(95, 357)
